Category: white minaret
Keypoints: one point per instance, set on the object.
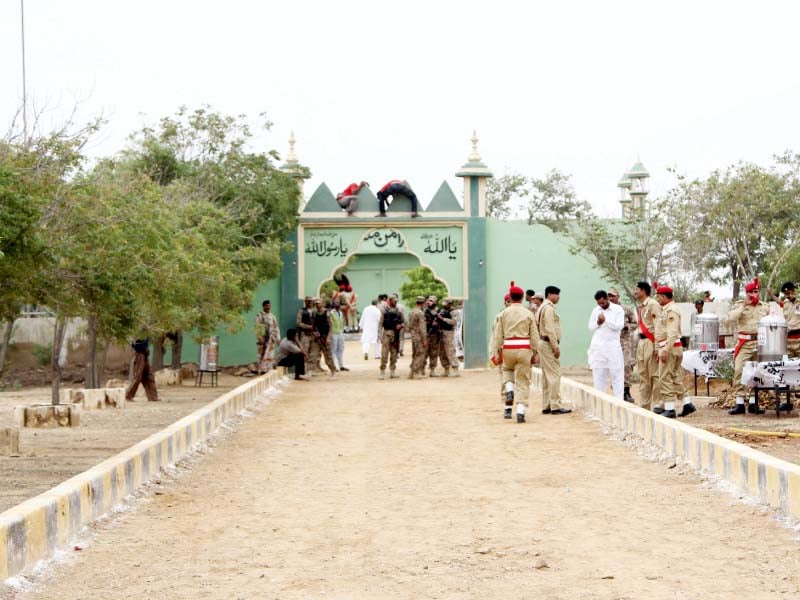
(640, 187)
(293, 167)
(475, 174)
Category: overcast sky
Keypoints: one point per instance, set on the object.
(377, 90)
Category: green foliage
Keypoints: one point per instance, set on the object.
(42, 354)
(421, 282)
(724, 368)
(549, 201)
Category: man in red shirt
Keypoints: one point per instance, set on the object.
(348, 199)
(396, 186)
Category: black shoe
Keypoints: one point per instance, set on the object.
(659, 410)
(343, 369)
(510, 397)
(737, 410)
(520, 418)
(754, 409)
(786, 407)
(381, 214)
(546, 411)
(687, 410)
(507, 413)
(560, 411)
(627, 395)
(670, 414)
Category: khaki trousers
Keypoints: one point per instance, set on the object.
(649, 388)
(671, 376)
(551, 377)
(447, 350)
(320, 349)
(517, 369)
(749, 351)
(418, 355)
(388, 350)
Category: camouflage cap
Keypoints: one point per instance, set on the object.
(447, 301)
(432, 297)
(420, 299)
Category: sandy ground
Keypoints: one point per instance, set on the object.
(350, 488)
(50, 456)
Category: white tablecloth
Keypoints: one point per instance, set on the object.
(770, 374)
(703, 362)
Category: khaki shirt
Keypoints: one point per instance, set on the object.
(515, 321)
(791, 312)
(670, 326)
(744, 317)
(650, 311)
(549, 323)
(417, 323)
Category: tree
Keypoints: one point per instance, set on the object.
(550, 201)
(202, 156)
(421, 282)
(740, 222)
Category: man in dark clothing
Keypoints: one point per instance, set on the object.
(290, 354)
(321, 340)
(141, 373)
(394, 187)
(434, 335)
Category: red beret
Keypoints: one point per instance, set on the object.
(664, 289)
(752, 286)
(342, 287)
(349, 288)
(515, 289)
(507, 297)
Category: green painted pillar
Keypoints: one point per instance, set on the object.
(476, 334)
(289, 285)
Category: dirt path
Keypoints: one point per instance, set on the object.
(356, 488)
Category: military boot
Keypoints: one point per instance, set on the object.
(455, 372)
(754, 409)
(382, 375)
(627, 395)
(507, 412)
(393, 374)
(737, 410)
(446, 372)
(433, 373)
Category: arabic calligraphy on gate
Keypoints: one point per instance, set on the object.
(441, 244)
(326, 244)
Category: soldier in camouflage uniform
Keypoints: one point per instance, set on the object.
(268, 336)
(628, 357)
(447, 347)
(419, 339)
(305, 325)
(321, 338)
(393, 326)
(434, 336)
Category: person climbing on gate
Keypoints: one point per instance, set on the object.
(394, 187)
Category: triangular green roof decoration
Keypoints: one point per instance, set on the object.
(444, 200)
(322, 200)
(367, 203)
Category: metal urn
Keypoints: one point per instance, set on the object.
(771, 338)
(706, 333)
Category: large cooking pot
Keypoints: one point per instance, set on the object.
(771, 338)
(706, 332)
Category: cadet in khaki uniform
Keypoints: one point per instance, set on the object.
(646, 356)
(393, 325)
(497, 361)
(670, 356)
(416, 325)
(549, 325)
(447, 344)
(744, 318)
(514, 339)
(791, 312)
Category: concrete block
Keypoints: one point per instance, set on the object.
(115, 397)
(47, 416)
(166, 377)
(95, 399)
(9, 441)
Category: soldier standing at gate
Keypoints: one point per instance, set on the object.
(434, 337)
(393, 326)
(649, 312)
(670, 356)
(447, 346)
(268, 336)
(744, 318)
(549, 324)
(625, 341)
(512, 346)
(305, 324)
(321, 338)
(419, 339)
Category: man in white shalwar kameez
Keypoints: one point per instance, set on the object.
(369, 324)
(605, 352)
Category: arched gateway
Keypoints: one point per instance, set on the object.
(448, 238)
